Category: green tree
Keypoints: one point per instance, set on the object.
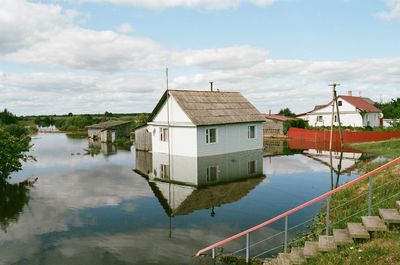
(14, 142)
(7, 117)
(287, 112)
(391, 109)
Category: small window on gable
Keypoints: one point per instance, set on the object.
(211, 135)
(320, 118)
(212, 173)
(339, 103)
(251, 132)
(335, 118)
(164, 134)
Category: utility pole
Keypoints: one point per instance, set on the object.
(335, 101)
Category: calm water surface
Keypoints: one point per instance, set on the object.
(87, 209)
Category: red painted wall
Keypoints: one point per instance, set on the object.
(348, 136)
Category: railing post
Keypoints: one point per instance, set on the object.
(213, 253)
(286, 232)
(328, 200)
(247, 247)
(370, 197)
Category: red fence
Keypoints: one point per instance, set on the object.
(348, 136)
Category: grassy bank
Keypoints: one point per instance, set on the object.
(352, 203)
(389, 148)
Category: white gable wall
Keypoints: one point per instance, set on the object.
(176, 114)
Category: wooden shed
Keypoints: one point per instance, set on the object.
(143, 138)
(273, 126)
(109, 131)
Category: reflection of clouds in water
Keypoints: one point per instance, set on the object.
(145, 246)
(56, 199)
(291, 164)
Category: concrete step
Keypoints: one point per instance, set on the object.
(271, 262)
(373, 223)
(342, 237)
(357, 230)
(297, 255)
(310, 249)
(326, 243)
(284, 259)
(398, 205)
(391, 216)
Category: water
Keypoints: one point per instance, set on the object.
(95, 209)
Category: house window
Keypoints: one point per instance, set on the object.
(320, 119)
(251, 167)
(211, 135)
(212, 173)
(164, 134)
(164, 171)
(251, 132)
(339, 103)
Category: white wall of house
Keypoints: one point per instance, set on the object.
(231, 138)
(182, 140)
(176, 114)
(349, 116)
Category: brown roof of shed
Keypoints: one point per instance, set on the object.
(210, 108)
(107, 124)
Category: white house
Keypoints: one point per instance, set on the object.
(354, 111)
(203, 123)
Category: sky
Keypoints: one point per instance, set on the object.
(92, 56)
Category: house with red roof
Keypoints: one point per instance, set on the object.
(354, 111)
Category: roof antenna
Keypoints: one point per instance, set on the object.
(166, 75)
(211, 86)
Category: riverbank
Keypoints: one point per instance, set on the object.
(384, 247)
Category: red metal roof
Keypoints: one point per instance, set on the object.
(277, 117)
(361, 103)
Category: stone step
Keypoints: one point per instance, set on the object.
(284, 259)
(342, 237)
(297, 255)
(398, 205)
(326, 243)
(271, 262)
(373, 223)
(357, 230)
(391, 216)
(310, 249)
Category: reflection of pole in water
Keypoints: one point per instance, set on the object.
(212, 212)
(339, 169)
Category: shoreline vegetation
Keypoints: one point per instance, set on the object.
(384, 247)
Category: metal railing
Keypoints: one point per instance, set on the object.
(286, 215)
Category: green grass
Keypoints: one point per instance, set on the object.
(389, 148)
(384, 248)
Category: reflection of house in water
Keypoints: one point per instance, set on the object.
(106, 149)
(344, 159)
(186, 184)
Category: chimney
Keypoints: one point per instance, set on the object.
(211, 86)
(350, 93)
(269, 112)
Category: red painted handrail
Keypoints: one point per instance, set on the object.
(317, 199)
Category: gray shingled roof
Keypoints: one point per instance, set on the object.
(211, 108)
(107, 124)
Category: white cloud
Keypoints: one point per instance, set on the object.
(159, 4)
(124, 28)
(392, 13)
(263, 2)
(221, 58)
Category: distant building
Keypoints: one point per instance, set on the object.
(109, 131)
(203, 123)
(273, 126)
(354, 111)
